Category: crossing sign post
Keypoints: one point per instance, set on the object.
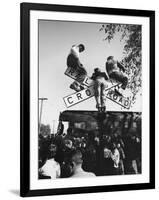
(88, 91)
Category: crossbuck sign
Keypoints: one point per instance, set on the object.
(88, 92)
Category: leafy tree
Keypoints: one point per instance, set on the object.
(131, 35)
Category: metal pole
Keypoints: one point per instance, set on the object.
(100, 120)
(53, 130)
(41, 108)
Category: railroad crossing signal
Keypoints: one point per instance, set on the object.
(88, 91)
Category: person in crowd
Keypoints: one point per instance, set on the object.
(100, 85)
(86, 153)
(44, 142)
(68, 144)
(51, 168)
(96, 140)
(122, 157)
(130, 154)
(73, 61)
(107, 167)
(138, 154)
(135, 155)
(83, 145)
(89, 159)
(77, 161)
(66, 168)
(115, 71)
(115, 155)
(60, 128)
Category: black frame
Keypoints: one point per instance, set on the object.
(25, 9)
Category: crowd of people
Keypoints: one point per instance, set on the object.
(88, 155)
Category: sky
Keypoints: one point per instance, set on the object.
(55, 40)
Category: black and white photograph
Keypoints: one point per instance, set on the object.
(90, 99)
(89, 87)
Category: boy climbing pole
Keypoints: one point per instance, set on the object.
(100, 79)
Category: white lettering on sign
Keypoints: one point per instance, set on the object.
(78, 97)
(87, 93)
(83, 95)
(88, 81)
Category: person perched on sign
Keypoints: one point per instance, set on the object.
(73, 61)
(115, 71)
(100, 79)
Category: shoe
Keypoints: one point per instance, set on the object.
(75, 86)
(103, 109)
(123, 87)
(99, 108)
(81, 87)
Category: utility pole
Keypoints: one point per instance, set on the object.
(41, 108)
(53, 128)
(100, 120)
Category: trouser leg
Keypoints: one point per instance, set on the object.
(75, 64)
(103, 96)
(120, 77)
(97, 89)
(82, 70)
(75, 86)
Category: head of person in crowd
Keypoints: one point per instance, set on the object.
(96, 139)
(91, 149)
(137, 139)
(68, 144)
(76, 157)
(77, 161)
(108, 139)
(118, 145)
(133, 137)
(114, 146)
(83, 144)
(81, 48)
(52, 150)
(116, 135)
(107, 152)
(78, 142)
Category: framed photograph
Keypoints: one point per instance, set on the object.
(87, 99)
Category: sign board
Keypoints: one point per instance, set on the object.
(88, 92)
(76, 75)
(78, 97)
(121, 100)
